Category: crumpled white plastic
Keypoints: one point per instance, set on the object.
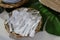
(11, 1)
(24, 22)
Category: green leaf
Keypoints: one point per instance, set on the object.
(53, 23)
(1, 10)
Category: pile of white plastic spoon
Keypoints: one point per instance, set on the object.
(24, 22)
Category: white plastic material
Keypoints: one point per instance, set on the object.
(24, 22)
(11, 1)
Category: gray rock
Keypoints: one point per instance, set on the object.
(11, 1)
